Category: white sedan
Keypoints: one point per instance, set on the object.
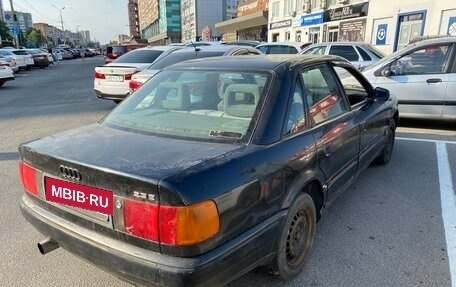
(20, 60)
(6, 74)
(112, 80)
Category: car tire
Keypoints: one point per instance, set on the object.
(296, 239)
(385, 155)
(28, 68)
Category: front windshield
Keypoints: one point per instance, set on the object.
(204, 105)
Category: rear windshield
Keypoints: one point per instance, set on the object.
(173, 58)
(204, 105)
(139, 56)
(21, 53)
(116, 50)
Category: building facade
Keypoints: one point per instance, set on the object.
(160, 21)
(24, 21)
(199, 15)
(2, 18)
(251, 22)
(388, 25)
(133, 19)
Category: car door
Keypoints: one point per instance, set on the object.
(371, 116)
(333, 126)
(449, 109)
(419, 79)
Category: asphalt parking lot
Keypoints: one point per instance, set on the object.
(395, 226)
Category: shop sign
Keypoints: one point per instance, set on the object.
(251, 7)
(281, 24)
(312, 19)
(352, 31)
(381, 34)
(347, 12)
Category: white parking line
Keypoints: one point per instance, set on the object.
(448, 200)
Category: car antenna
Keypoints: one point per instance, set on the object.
(194, 46)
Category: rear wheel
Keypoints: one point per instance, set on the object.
(385, 156)
(296, 238)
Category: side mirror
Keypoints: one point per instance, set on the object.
(381, 94)
(386, 72)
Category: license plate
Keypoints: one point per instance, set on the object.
(80, 196)
(114, 78)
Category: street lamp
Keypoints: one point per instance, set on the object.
(61, 19)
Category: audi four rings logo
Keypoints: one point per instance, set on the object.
(70, 173)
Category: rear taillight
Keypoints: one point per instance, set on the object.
(127, 77)
(28, 177)
(174, 225)
(134, 85)
(98, 75)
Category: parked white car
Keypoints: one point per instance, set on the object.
(26, 55)
(358, 53)
(20, 60)
(112, 80)
(422, 76)
(6, 74)
(10, 62)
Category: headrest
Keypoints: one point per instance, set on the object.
(240, 100)
(173, 96)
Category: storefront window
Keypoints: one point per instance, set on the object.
(410, 27)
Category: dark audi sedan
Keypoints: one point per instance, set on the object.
(214, 167)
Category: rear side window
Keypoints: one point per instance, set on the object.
(263, 49)
(316, 50)
(282, 49)
(139, 56)
(364, 55)
(322, 93)
(118, 50)
(344, 51)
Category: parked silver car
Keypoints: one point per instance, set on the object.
(358, 53)
(422, 76)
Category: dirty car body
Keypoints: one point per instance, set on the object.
(214, 167)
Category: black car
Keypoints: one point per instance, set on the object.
(214, 167)
(40, 58)
(171, 57)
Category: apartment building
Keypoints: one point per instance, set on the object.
(389, 25)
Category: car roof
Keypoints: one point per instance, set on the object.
(443, 40)
(215, 48)
(159, 48)
(337, 44)
(255, 62)
(294, 44)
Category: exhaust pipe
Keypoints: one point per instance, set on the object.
(47, 245)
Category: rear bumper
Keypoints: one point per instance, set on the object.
(216, 267)
(115, 97)
(6, 79)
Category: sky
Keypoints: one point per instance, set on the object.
(103, 18)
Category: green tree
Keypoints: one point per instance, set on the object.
(34, 35)
(7, 39)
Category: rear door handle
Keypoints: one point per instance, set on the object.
(433, 81)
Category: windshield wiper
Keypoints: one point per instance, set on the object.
(225, 134)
